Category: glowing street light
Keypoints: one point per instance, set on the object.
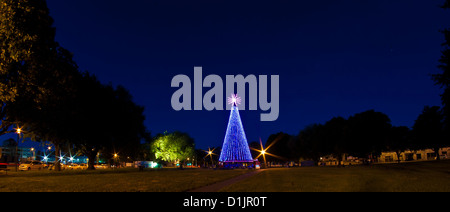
(16, 158)
(115, 156)
(263, 151)
(32, 150)
(210, 153)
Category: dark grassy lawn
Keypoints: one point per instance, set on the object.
(418, 176)
(113, 180)
(404, 177)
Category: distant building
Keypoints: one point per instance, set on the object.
(8, 152)
(330, 160)
(388, 157)
(414, 155)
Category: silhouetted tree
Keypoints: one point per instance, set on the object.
(443, 79)
(42, 90)
(281, 145)
(368, 132)
(47, 116)
(37, 75)
(310, 142)
(335, 138)
(398, 140)
(106, 119)
(428, 130)
(125, 124)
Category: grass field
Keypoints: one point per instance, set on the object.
(404, 177)
(119, 180)
(420, 176)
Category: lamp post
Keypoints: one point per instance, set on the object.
(210, 153)
(32, 150)
(116, 156)
(18, 131)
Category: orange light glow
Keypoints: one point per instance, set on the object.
(263, 151)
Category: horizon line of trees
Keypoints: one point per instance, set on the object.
(371, 132)
(363, 135)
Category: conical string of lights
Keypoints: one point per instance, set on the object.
(235, 147)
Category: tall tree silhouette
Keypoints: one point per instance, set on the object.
(443, 79)
(105, 119)
(398, 140)
(335, 138)
(368, 132)
(311, 141)
(428, 130)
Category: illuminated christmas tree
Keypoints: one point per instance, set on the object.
(235, 147)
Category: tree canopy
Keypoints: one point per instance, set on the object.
(173, 147)
(28, 50)
(43, 92)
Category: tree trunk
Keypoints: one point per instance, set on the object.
(57, 157)
(436, 151)
(398, 156)
(91, 162)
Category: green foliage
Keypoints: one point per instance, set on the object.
(27, 47)
(26, 43)
(173, 147)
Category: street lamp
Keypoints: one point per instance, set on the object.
(32, 150)
(263, 151)
(18, 131)
(210, 153)
(115, 159)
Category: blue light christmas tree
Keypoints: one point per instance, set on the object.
(235, 147)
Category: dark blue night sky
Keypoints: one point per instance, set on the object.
(334, 58)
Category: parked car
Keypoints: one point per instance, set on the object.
(32, 165)
(72, 166)
(3, 167)
(75, 166)
(101, 166)
(82, 166)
